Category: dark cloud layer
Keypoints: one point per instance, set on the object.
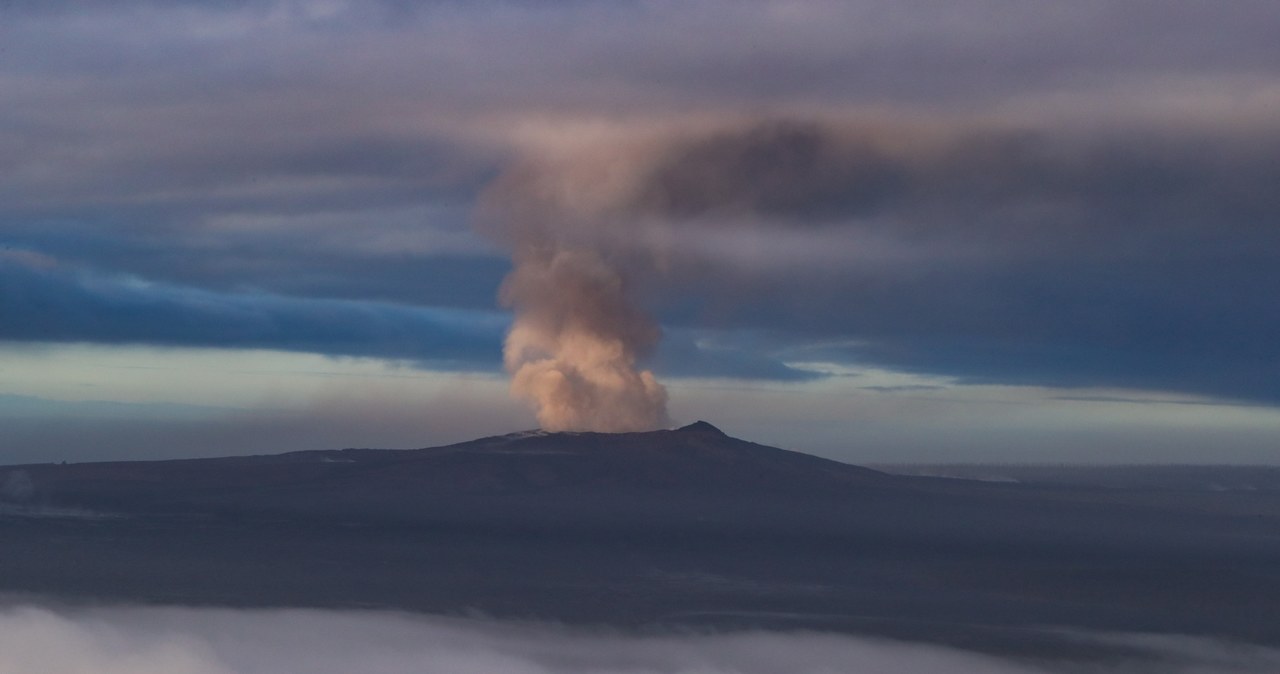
(980, 189)
(43, 302)
(314, 257)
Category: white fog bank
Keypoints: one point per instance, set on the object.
(135, 640)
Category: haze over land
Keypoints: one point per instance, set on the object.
(938, 231)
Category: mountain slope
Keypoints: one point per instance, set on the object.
(694, 461)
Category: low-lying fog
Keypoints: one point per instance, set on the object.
(143, 640)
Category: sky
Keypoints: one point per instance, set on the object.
(910, 231)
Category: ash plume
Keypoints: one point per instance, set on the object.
(579, 332)
(592, 226)
(595, 225)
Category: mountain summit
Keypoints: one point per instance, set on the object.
(702, 427)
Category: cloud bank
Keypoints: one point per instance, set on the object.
(978, 189)
(49, 302)
(217, 641)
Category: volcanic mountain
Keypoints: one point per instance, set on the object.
(666, 528)
(697, 461)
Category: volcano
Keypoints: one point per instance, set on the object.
(524, 470)
(672, 528)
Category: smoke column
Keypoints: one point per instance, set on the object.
(579, 332)
(590, 221)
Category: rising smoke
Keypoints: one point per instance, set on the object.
(593, 227)
(579, 332)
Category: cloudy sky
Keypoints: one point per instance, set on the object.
(917, 230)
